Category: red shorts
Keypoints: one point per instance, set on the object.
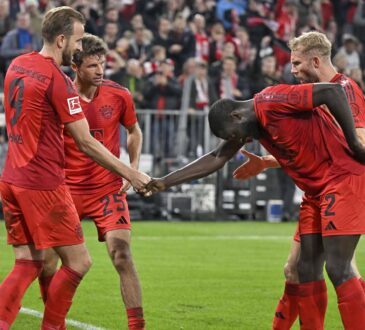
(109, 211)
(47, 218)
(340, 210)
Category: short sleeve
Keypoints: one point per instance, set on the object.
(64, 98)
(128, 117)
(285, 98)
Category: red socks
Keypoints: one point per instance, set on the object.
(14, 286)
(312, 305)
(287, 309)
(135, 318)
(59, 297)
(44, 282)
(351, 303)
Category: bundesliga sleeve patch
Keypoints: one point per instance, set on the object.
(74, 105)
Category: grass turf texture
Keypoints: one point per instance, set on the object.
(207, 275)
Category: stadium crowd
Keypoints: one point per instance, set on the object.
(233, 48)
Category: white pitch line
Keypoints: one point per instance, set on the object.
(74, 323)
(213, 238)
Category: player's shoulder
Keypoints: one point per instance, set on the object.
(113, 87)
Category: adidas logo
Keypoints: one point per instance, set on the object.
(330, 226)
(279, 315)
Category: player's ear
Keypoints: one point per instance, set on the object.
(237, 116)
(60, 41)
(316, 62)
(73, 67)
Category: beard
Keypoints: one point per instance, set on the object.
(67, 55)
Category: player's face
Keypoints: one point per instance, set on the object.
(303, 67)
(91, 71)
(233, 132)
(73, 44)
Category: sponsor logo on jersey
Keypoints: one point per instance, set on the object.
(74, 105)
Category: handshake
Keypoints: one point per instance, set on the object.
(143, 184)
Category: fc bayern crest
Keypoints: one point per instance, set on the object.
(106, 111)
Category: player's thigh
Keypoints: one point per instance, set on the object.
(343, 207)
(310, 216)
(76, 257)
(16, 226)
(28, 252)
(51, 216)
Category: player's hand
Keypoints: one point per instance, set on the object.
(155, 185)
(251, 167)
(139, 180)
(125, 187)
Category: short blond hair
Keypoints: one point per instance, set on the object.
(312, 42)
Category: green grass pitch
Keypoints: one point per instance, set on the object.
(194, 275)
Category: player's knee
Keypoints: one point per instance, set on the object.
(121, 255)
(49, 266)
(291, 272)
(339, 271)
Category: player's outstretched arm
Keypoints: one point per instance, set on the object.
(335, 98)
(96, 151)
(254, 165)
(197, 169)
(134, 146)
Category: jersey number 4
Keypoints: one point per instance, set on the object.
(16, 91)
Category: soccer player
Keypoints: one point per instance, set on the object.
(94, 190)
(320, 157)
(38, 209)
(311, 62)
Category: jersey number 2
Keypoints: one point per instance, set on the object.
(106, 200)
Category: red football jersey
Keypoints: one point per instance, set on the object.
(39, 99)
(355, 98)
(112, 105)
(307, 142)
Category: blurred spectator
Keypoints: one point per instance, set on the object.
(340, 63)
(201, 38)
(206, 8)
(162, 35)
(357, 76)
(229, 84)
(189, 69)
(136, 22)
(5, 20)
(216, 67)
(202, 91)
(111, 34)
(35, 16)
(217, 35)
(162, 90)
(267, 76)
(112, 15)
(139, 45)
(181, 43)
(349, 49)
(225, 9)
(21, 40)
(243, 45)
(359, 21)
(158, 55)
(133, 80)
(91, 22)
